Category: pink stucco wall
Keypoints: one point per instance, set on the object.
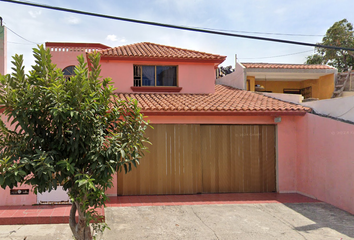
(325, 166)
(6, 199)
(65, 54)
(287, 154)
(64, 59)
(11, 200)
(192, 77)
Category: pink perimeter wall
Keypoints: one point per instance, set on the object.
(11, 200)
(325, 166)
(5, 198)
(192, 77)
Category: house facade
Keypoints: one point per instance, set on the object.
(214, 138)
(206, 137)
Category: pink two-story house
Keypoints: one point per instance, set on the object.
(210, 138)
(206, 137)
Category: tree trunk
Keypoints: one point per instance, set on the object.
(79, 229)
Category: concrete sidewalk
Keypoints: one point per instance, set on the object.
(221, 221)
(54, 214)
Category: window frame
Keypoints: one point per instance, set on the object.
(140, 79)
(305, 92)
(73, 71)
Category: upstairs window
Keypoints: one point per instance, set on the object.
(154, 76)
(69, 72)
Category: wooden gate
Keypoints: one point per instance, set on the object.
(172, 166)
(238, 158)
(188, 159)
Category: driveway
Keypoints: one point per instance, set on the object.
(224, 221)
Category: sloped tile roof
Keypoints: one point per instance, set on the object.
(225, 99)
(157, 51)
(286, 66)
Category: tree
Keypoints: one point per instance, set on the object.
(315, 59)
(341, 34)
(74, 132)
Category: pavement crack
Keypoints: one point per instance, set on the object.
(14, 231)
(204, 223)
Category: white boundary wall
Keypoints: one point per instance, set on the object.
(57, 195)
(293, 98)
(235, 79)
(342, 108)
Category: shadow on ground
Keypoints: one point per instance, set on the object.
(324, 216)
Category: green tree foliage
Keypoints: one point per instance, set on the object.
(315, 59)
(341, 34)
(74, 132)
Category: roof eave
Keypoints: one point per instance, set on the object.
(75, 44)
(225, 113)
(157, 59)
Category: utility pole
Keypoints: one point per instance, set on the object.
(3, 48)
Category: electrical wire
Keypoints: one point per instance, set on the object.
(5, 24)
(267, 33)
(280, 55)
(20, 43)
(176, 26)
(20, 36)
(261, 33)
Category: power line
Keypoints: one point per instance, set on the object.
(20, 36)
(5, 23)
(261, 33)
(21, 43)
(267, 33)
(280, 55)
(177, 27)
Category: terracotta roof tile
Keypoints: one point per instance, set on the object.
(152, 50)
(225, 99)
(286, 66)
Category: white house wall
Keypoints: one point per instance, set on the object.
(235, 79)
(293, 98)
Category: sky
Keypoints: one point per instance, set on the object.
(300, 20)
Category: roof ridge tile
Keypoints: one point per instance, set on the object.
(153, 50)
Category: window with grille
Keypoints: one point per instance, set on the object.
(154, 76)
(69, 72)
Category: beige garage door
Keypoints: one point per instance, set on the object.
(188, 159)
(238, 158)
(172, 165)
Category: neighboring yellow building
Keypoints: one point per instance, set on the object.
(311, 81)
